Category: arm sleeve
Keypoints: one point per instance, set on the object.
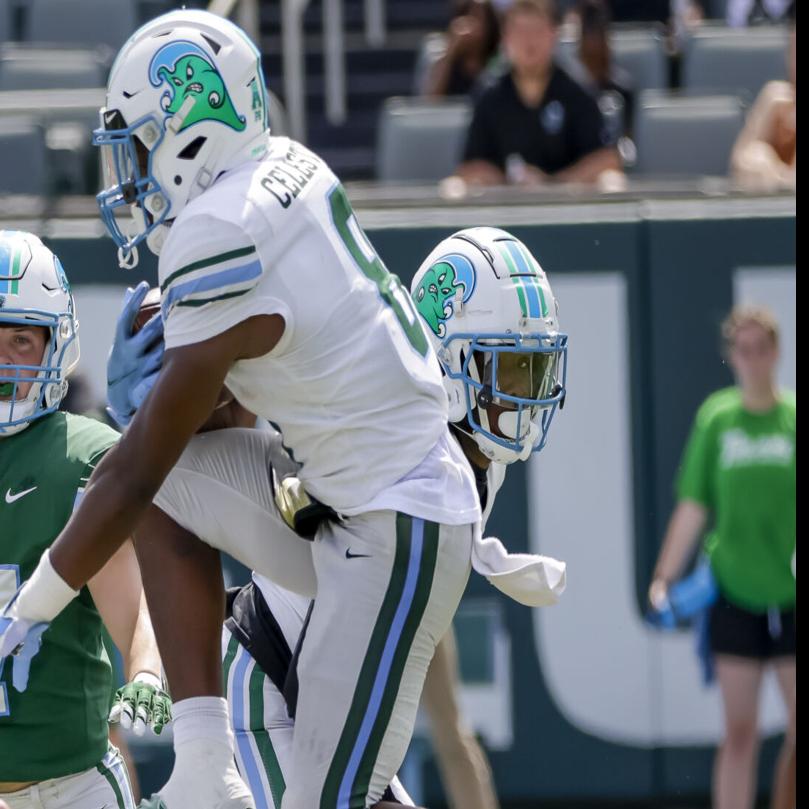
(696, 475)
(210, 272)
(481, 143)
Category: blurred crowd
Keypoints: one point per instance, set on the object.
(542, 114)
(552, 91)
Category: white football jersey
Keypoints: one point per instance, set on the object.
(353, 385)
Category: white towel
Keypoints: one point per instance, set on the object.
(530, 579)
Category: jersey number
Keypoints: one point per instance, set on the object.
(9, 582)
(371, 266)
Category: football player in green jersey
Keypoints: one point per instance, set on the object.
(54, 733)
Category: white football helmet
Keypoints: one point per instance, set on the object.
(493, 320)
(34, 291)
(185, 101)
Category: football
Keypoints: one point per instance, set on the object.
(150, 305)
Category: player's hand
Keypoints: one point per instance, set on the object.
(658, 594)
(134, 359)
(20, 640)
(660, 612)
(142, 703)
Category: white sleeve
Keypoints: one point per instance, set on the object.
(209, 272)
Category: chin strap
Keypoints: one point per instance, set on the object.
(128, 258)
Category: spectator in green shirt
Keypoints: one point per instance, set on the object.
(737, 479)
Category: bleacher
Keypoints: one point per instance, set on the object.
(55, 56)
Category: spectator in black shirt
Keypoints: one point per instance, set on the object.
(640, 10)
(535, 125)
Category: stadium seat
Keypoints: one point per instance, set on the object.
(686, 135)
(23, 157)
(716, 9)
(727, 60)
(419, 140)
(639, 51)
(46, 69)
(92, 22)
(642, 54)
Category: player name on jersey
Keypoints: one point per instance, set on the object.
(289, 176)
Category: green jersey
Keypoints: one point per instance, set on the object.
(741, 466)
(58, 725)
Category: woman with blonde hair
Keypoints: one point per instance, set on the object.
(738, 476)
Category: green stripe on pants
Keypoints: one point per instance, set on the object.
(113, 782)
(227, 663)
(272, 768)
(424, 584)
(372, 661)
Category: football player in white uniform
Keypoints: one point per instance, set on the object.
(270, 287)
(494, 320)
(492, 315)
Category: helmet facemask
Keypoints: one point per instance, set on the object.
(127, 154)
(512, 386)
(49, 381)
(34, 293)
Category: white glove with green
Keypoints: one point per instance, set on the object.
(142, 703)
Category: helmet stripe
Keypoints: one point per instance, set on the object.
(531, 262)
(516, 281)
(524, 269)
(542, 302)
(15, 273)
(10, 285)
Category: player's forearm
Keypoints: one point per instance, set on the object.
(127, 479)
(108, 514)
(685, 527)
(117, 591)
(98, 527)
(143, 652)
(588, 169)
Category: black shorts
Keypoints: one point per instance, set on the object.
(759, 636)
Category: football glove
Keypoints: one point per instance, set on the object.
(142, 703)
(20, 640)
(134, 360)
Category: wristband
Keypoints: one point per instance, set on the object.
(44, 595)
(148, 678)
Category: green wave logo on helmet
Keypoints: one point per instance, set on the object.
(189, 72)
(440, 285)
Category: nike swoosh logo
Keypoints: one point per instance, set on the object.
(10, 498)
(350, 555)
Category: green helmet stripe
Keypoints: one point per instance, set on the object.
(14, 288)
(531, 261)
(541, 297)
(516, 280)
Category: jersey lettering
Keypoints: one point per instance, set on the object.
(287, 178)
